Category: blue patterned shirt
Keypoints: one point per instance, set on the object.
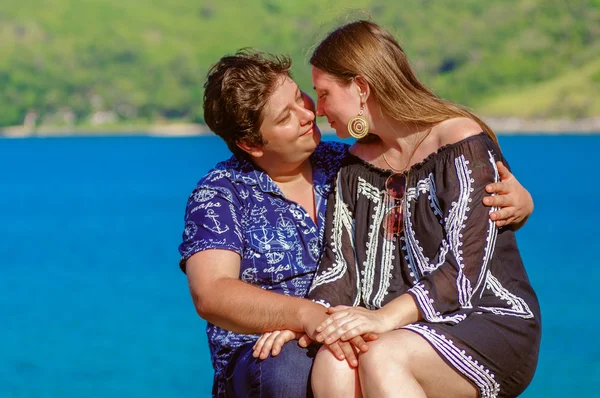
(240, 208)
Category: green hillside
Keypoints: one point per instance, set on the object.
(136, 61)
(575, 93)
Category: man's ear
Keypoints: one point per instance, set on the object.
(363, 88)
(254, 151)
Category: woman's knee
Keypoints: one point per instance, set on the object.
(332, 377)
(326, 365)
(391, 350)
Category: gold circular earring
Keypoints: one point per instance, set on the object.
(358, 127)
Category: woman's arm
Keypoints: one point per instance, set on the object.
(346, 323)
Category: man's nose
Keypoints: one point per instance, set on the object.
(308, 102)
(308, 115)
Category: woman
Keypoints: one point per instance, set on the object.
(409, 243)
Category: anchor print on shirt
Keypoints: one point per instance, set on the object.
(267, 239)
(217, 224)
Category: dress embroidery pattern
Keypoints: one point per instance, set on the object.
(466, 276)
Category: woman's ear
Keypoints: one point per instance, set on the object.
(363, 88)
(254, 151)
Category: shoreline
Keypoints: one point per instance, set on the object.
(502, 126)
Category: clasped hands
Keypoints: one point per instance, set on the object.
(345, 331)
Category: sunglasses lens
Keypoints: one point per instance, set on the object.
(395, 185)
(393, 223)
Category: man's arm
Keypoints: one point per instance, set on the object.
(224, 300)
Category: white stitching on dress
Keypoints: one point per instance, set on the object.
(480, 375)
(376, 196)
(342, 222)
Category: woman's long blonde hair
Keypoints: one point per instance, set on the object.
(364, 48)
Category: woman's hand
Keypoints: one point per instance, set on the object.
(271, 342)
(514, 201)
(346, 323)
(341, 350)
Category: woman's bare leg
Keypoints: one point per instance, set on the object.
(333, 378)
(403, 364)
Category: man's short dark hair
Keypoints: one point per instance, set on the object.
(236, 92)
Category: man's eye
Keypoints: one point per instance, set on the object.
(285, 119)
(322, 96)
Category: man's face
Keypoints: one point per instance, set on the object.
(289, 129)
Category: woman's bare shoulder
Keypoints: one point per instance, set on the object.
(456, 129)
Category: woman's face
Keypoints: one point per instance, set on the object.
(288, 128)
(336, 101)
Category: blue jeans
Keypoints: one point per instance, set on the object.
(285, 376)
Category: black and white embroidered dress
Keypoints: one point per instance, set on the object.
(479, 310)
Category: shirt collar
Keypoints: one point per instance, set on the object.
(245, 172)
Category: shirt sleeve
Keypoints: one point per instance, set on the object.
(212, 221)
(454, 285)
(335, 282)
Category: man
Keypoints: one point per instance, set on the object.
(254, 225)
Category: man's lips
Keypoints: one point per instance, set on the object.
(309, 131)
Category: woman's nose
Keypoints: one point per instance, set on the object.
(320, 111)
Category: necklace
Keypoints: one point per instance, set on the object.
(388, 163)
(421, 139)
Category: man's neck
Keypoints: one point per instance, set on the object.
(286, 173)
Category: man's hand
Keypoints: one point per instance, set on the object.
(271, 342)
(515, 202)
(348, 349)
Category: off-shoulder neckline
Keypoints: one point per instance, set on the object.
(419, 165)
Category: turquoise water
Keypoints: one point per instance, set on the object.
(94, 303)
